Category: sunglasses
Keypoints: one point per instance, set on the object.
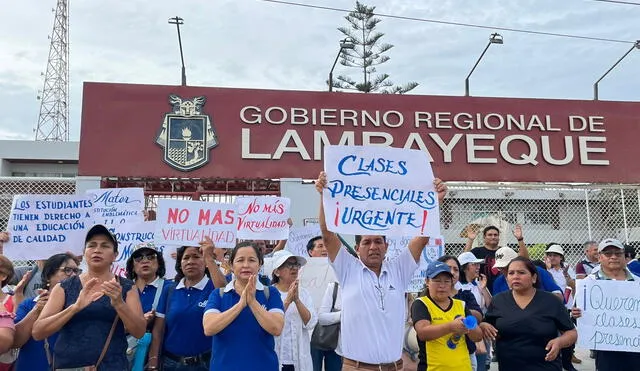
(69, 271)
(149, 257)
(291, 265)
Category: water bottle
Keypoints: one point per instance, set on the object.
(470, 322)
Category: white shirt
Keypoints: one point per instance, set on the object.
(475, 290)
(325, 315)
(292, 346)
(373, 307)
(561, 281)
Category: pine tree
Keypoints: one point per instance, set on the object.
(368, 52)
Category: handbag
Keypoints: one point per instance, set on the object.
(133, 343)
(102, 354)
(325, 337)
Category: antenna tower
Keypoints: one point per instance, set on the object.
(53, 121)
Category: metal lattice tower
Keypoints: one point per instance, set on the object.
(53, 121)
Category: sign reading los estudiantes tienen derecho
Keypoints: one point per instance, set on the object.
(280, 134)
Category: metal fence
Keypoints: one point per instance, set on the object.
(560, 213)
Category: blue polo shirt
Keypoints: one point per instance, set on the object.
(244, 344)
(149, 293)
(184, 334)
(634, 267)
(546, 280)
(32, 355)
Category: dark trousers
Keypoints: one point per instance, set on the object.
(288, 368)
(332, 361)
(617, 361)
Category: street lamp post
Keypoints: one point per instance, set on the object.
(636, 45)
(494, 39)
(345, 43)
(179, 21)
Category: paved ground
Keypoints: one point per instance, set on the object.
(587, 364)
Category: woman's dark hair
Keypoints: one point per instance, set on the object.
(179, 254)
(463, 276)
(162, 269)
(539, 263)
(240, 245)
(51, 267)
(6, 267)
(528, 264)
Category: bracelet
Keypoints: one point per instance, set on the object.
(150, 358)
(520, 239)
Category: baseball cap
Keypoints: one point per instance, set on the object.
(610, 242)
(144, 246)
(555, 248)
(435, 268)
(100, 229)
(280, 257)
(468, 257)
(504, 256)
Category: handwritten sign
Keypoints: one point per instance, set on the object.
(299, 237)
(263, 217)
(431, 252)
(315, 276)
(610, 315)
(44, 225)
(186, 223)
(117, 205)
(380, 190)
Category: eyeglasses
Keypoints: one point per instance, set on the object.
(69, 271)
(442, 282)
(291, 265)
(149, 257)
(610, 254)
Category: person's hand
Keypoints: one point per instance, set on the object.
(18, 291)
(441, 188)
(472, 232)
(290, 222)
(4, 237)
(457, 326)
(43, 297)
(250, 290)
(149, 316)
(488, 331)
(207, 248)
(517, 232)
(576, 312)
(482, 282)
(547, 263)
(87, 294)
(292, 293)
(174, 255)
(321, 182)
(553, 349)
(113, 290)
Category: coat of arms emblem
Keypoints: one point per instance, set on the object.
(187, 134)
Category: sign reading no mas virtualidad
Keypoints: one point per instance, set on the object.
(380, 190)
(263, 217)
(43, 225)
(610, 315)
(186, 223)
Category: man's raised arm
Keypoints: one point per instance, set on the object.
(331, 241)
(417, 244)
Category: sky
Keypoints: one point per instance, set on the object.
(257, 44)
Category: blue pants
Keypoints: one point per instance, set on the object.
(171, 365)
(332, 361)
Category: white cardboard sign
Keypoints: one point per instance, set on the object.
(263, 217)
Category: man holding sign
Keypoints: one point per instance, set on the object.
(373, 289)
(613, 267)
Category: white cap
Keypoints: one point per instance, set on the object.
(468, 257)
(504, 256)
(280, 257)
(610, 242)
(555, 248)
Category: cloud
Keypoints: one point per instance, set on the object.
(254, 44)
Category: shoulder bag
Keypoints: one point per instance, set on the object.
(325, 337)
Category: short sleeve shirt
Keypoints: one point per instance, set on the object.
(182, 311)
(486, 268)
(523, 334)
(244, 344)
(32, 355)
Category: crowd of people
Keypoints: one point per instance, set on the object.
(224, 311)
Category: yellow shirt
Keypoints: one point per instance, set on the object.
(449, 352)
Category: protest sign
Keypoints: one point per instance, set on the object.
(263, 217)
(117, 205)
(610, 315)
(43, 225)
(298, 238)
(186, 223)
(431, 252)
(130, 235)
(380, 190)
(315, 276)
